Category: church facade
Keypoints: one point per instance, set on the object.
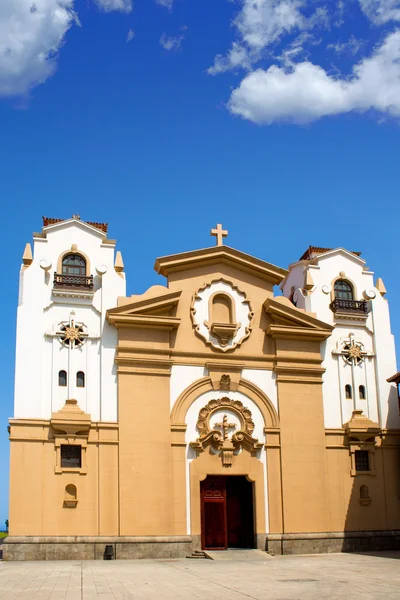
(206, 413)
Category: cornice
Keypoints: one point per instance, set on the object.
(225, 365)
(143, 366)
(146, 305)
(207, 256)
(143, 321)
(180, 357)
(299, 333)
(299, 374)
(282, 310)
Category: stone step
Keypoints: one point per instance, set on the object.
(197, 554)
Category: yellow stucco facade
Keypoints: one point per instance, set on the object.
(140, 478)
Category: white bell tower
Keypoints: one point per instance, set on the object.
(337, 286)
(65, 346)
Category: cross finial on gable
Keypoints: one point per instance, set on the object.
(219, 233)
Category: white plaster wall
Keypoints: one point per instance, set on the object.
(181, 377)
(39, 354)
(266, 381)
(192, 434)
(385, 363)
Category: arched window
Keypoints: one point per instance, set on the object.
(348, 392)
(361, 392)
(62, 378)
(73, 264)
(364, 494)
(343, 290)
(80, 379)
(222, 309)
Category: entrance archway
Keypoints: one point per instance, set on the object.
(227, 517)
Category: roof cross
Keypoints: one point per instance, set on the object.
(225, 426)
(219, 233)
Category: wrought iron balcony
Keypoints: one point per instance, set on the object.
(350, 307)
(73, 282)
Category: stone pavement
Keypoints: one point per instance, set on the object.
(330, 577)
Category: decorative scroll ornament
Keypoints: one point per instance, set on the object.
(223, 441)
(71, 334)
(221, 334)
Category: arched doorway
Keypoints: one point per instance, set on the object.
(227, 517)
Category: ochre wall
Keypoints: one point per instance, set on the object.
(37, 493)
(144, 452)
(136, 470)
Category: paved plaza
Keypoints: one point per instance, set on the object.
(326, 577)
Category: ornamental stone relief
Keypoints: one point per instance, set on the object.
(221, 315)
(227, 426)
(71, 333)
(352, 351)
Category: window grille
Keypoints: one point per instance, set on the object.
(362, 460)
(343, 290)
(73, 264)
(71, 456)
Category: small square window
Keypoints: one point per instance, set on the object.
(362, 460)
(71, 457)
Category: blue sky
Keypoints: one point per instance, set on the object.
(278, 118)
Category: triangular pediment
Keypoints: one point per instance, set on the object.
(151, 310)
(188, 261)
(289, 321)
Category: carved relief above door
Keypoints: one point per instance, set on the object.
(221, 315)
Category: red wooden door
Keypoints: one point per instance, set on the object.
(213, 514)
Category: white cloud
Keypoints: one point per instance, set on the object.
(111, 5)
(167, 3)
(352, 46)
(237, 56)
(171, 42)
(381, 11)
(306, 92)
(261, 23)
(130, 36)
(31, 34)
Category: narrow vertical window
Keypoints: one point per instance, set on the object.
(348, 392)
(361, 392)
(80, 379)
(62, 378)
(362, 460)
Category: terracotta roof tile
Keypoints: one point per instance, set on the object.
(394, 378)
(317, 250)
(50, 221)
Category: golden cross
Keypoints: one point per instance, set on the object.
(219, 233)
(225, 426)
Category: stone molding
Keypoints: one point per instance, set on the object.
(200, 386)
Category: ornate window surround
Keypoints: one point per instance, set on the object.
(59, 441)
(368, 447)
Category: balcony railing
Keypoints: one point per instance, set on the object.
(359, 307)
(73, 282)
